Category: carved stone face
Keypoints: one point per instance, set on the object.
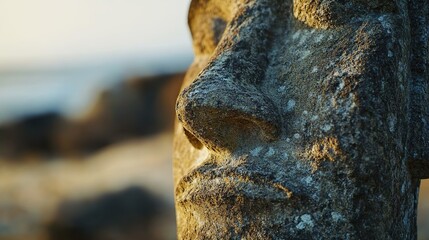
(292, 121)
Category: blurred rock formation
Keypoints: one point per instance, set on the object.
(133, 213)
(139, 106)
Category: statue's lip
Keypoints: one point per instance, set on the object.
(223, 184)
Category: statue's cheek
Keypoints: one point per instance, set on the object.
(324, 14)
(318, 14)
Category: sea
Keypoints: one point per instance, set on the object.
(69, 89)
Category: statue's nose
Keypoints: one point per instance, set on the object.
(221, 114)
(224, 106)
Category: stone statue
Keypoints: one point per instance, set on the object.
(303, 119)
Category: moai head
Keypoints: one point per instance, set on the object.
(294, 121)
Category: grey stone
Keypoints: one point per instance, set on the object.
(249, 164)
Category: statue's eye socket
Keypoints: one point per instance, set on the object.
(207, 32)
(218, 28)
(208, 20)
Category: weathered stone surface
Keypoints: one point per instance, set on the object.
(419, 90)
(303, 120)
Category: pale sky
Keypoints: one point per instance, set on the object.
(46, 32)
(111, 38)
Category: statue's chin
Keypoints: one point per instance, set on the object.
(234, 217)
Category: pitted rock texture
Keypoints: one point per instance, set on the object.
(303, 120)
